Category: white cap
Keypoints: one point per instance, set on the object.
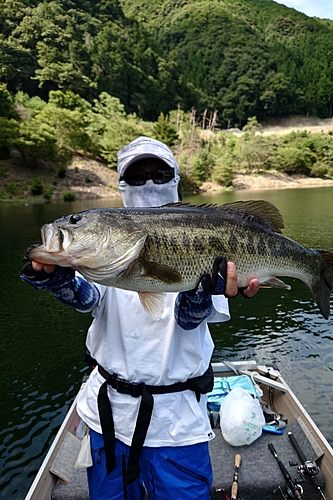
(141, 148)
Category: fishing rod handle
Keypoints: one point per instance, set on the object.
(234, 490)
(310, 466)
(238, 460)
(297, 447)
(282, 467)
(234, 487)
(272, 449)
(285, 473)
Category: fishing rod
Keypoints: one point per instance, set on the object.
(293, 490)
(234, 487)
(308, 466)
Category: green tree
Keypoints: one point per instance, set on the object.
(7, 103)
(69, 100)
(253, 153)
(293, 160)
(223, 169)
(37, 142)
(164, 131)
(68, 126)
(242, 59)
(109, 128)
(252, 126)
(62, 51)
(9, 132)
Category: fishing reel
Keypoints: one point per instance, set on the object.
(290, 493)
(309, 467)
(296, 493)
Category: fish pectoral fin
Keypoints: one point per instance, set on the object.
(161, 272)
(153, 304)
(275, 283)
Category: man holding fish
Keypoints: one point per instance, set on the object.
(145, 402)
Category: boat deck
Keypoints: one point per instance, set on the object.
(259, 475)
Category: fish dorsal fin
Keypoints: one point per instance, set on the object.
(153, 304)
(260, 209)
(185, 204)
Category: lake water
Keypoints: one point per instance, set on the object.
(42, 341)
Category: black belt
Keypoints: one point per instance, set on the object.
(144, 415)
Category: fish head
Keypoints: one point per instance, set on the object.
(73, 239)
(101, 240)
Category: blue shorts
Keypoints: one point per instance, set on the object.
(167, 473)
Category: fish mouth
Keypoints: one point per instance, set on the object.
(55, 238)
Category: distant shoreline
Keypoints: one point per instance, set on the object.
(90, 180)
(259, 182)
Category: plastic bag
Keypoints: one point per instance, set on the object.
(241, 418)
(84, 458)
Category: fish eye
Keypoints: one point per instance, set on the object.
(74, 218)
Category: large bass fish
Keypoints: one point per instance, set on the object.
(168, 249)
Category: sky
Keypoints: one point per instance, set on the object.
(318, 8)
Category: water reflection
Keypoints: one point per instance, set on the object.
(42, 341)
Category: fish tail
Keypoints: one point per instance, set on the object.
(321, 288)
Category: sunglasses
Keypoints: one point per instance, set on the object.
(140, 178)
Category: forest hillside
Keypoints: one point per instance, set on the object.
(83, 78)
(241, 57)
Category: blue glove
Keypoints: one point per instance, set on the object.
(27, 271)
(41, 279)
(215, 284)
(194, 306)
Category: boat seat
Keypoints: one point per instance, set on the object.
(259, 472)
(76, 489)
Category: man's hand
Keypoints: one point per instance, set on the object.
(232, 286)
(223, 280)
(35, 270)
(38, 267)
(195, 306)
(42, 276)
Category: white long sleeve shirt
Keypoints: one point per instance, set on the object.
(125, 340)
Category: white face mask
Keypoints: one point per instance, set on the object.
(150, 194)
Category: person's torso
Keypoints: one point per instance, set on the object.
(124, 340)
